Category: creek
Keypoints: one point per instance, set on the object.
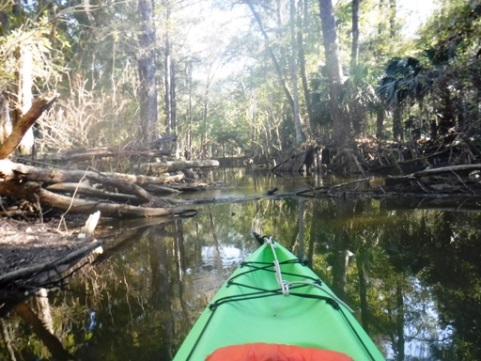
(410, 270)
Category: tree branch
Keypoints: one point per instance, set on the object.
(39, 105)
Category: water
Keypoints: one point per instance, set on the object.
(411, 273)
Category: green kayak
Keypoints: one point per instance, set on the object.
(273, 303)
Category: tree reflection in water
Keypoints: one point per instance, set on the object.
(411, 275)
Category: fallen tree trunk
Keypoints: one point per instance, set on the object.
(156, 148)
(15, 171)
(117, 210)
(33, 192)
(10, 170)
(83, 189)
(105, 152)
(449, 169)
(170, 166)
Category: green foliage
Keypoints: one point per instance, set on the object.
(404, 80)
(228, 97)
(453, 33)
(47, 60)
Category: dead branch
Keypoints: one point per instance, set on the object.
(39, 105)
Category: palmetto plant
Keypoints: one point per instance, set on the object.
(404, 83)
(359, 98)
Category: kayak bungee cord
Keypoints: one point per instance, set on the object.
(285, 285)
(286, 288)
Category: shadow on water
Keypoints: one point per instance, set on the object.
(412, 275)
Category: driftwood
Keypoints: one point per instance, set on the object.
(87, 190)
(27, 182)
(117, 210)
(39, 105)
(171, 166)
(462, 168)
(10, 170)
(105, 152)
(33, 192)
(156, 148)
(451, 181)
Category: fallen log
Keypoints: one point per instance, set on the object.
(10, 170)
(84, 189)
(105, 152)
(33, 192)
(156, 148)
(21, 172)
(465, 168)
(84, 206)
(170, 166)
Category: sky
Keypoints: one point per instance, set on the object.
(416, 12)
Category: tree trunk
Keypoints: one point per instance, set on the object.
(400, 324)
(6, 125)
(355, 34)
(169, 74)
(24, 94)
(392, 17)
(4, 21)
(146, 63)
(169, 81)
(189, 116)
(302, 60)
(340, 122)
(52, 343)
(379, 122)
(363, 286)
(293, 68)
(397, 130)
(7, 340)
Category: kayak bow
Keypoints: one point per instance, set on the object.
(273, 303)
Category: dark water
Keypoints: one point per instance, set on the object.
(410, 271)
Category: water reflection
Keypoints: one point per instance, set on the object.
(411, 275)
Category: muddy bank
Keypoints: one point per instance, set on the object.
(36, 255)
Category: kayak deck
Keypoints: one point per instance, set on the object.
(274, 298)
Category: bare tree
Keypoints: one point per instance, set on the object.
(146, 63)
